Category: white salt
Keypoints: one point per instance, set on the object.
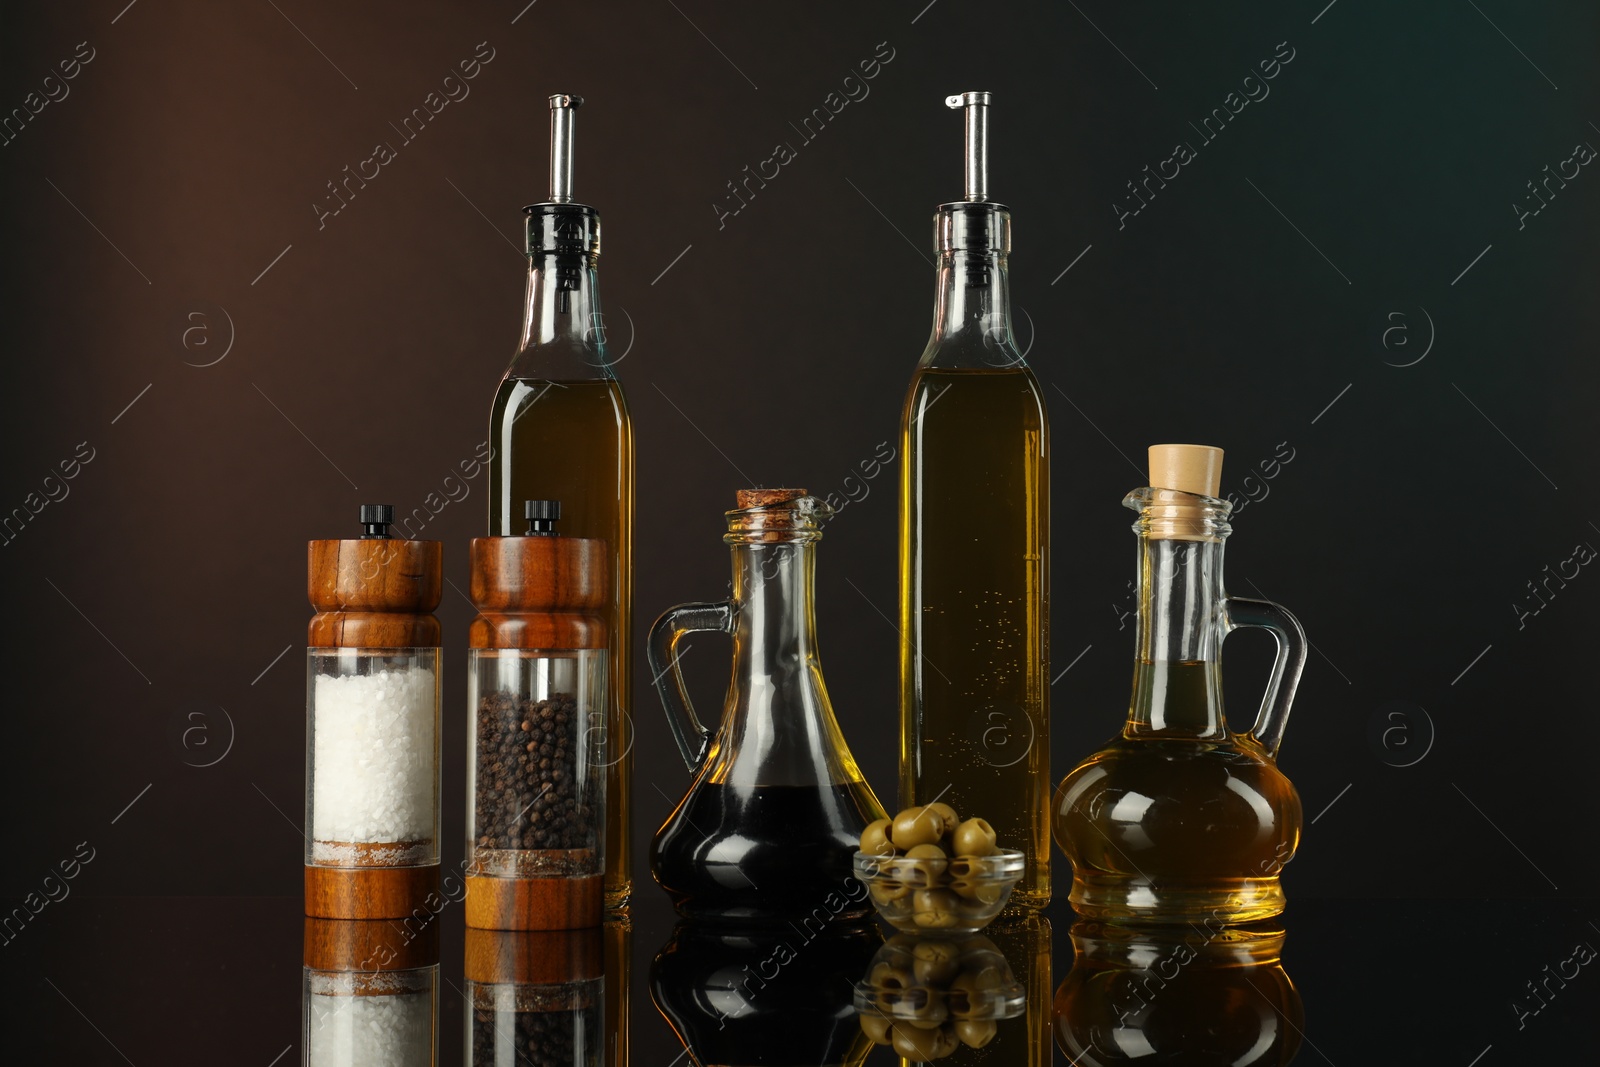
(358, 1031)
(373, 760)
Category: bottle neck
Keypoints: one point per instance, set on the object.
(779, 728)
(563, 333)
(563, 298)
(1177, 690)
(775, 640)
(972, 312)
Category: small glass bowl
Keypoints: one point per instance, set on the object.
(954, 895)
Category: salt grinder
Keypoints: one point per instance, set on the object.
(372, 723)
(371, 993)
(537, 759)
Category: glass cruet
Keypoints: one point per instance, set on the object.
(776, 809)
(1178, 818)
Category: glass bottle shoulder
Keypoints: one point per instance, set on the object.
(1014, 388)
(602, 398)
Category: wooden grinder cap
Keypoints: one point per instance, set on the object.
(540, 590)
(374, 591)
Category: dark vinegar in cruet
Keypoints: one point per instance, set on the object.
(765, 852)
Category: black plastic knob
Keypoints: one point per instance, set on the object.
(542, 516)
(376, 520)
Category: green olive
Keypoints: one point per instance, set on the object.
(930, 863)
(889, 983)
(916, 1044)
(948, 1042)
(877, 1028)
(935, 909)
(947, 815)
(976, 890)
(886, 893)
(971, 993)
(975, 837)
(928, 1009)
(934, 963)
(975, 1033)
(917, 826)
(875, 838)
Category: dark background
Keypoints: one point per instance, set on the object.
(1246, 306)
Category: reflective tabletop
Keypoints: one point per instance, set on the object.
(1346, 982)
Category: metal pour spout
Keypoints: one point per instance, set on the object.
(562, 106)
(976, 106)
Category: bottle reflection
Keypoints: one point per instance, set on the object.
(959, 1000)
(370, 993)
(619, 973)
(535, 998)
(772, 996)
(1188, 996)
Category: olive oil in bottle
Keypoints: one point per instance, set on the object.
(974, 544)
(559, 429)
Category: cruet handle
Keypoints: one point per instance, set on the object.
(1286, 668)
(693, 738)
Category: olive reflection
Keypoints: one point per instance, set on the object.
(775, 997)
(931, 998)
(1188, 996)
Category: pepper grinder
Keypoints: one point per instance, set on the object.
(372, 723)
(537, 759)
(535, 997)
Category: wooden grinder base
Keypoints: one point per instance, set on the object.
(534, 903)
(368, 892)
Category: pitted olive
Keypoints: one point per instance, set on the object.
(935, 909)
(975, 1033)
(931, 860)
(975, 837)
(934, 963)
(876, 1027)
(889, 984)
(922, 1008)
(917, 826)
(979, 892)
(947, 815)
(971, 993)
(886, 893)
(875, 838)
(916, 1044)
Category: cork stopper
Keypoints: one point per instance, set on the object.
(1195, 469)
(766, 498)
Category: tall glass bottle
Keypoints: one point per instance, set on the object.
(560, 430)
(975, 543)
